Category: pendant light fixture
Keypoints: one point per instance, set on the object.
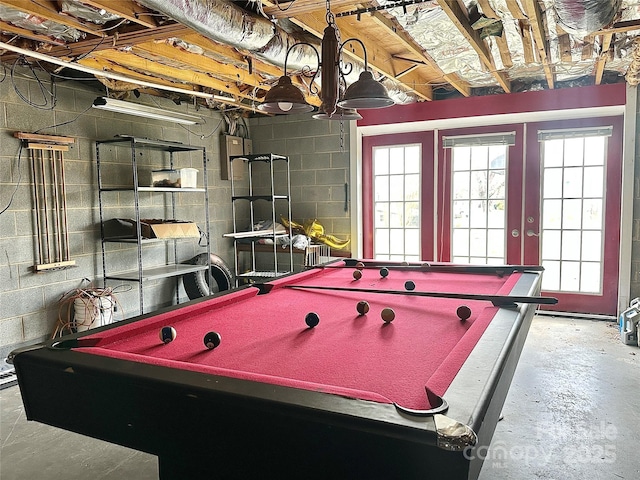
(366, 92)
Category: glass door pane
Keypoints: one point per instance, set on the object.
(572, 236)
(396, 185)
(478, 204)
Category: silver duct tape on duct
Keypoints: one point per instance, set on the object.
(582, 17)
(87, 12)
(226, 23)
(218, 20)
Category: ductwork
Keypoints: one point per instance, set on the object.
(226, 23)
(583, 17)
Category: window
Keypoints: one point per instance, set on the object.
(396, 185)
(478, 204)
(573, 173)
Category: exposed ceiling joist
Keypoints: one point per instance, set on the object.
(91, 45)
(532, 9)
(457, 14)
(602, 58)
(402, 46)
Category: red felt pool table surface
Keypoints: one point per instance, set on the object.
(265, 338)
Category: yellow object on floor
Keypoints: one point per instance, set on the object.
(315, 231)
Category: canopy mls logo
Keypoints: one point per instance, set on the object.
(582, 444)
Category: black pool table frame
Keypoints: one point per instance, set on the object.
(204, 426)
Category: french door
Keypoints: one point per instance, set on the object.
(479, 210)
(571, 221)
(536, 194)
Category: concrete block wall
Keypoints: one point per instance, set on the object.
(319, 167)
(29, 305)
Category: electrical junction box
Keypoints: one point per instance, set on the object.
(231, 145)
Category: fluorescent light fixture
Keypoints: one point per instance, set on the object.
(139, 110)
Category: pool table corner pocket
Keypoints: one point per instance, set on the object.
(453, 435)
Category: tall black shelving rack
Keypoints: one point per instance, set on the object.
(170, 269)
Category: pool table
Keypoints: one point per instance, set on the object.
(355, 396)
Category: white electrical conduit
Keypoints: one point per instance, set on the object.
(100, 73)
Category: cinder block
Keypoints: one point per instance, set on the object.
(334, 176)
(300, 145)
(20, 249)
(7, 223)
(48, 279)
(8, 277)
(329, 143)
(24, 118)
(10, 328)
(40, 326)
(331, 209)
(305, 211)
(261, 133)
(21, 302)
(315, 161)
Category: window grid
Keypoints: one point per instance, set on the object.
(572, 251)
(478, 238)
(396, 172)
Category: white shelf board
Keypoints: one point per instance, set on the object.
(155, 273)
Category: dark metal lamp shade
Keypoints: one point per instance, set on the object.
(285, 98)
(366, 93)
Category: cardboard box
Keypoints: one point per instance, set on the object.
(153, 228)
(125, 228)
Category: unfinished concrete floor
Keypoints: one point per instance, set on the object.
(573, 412)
